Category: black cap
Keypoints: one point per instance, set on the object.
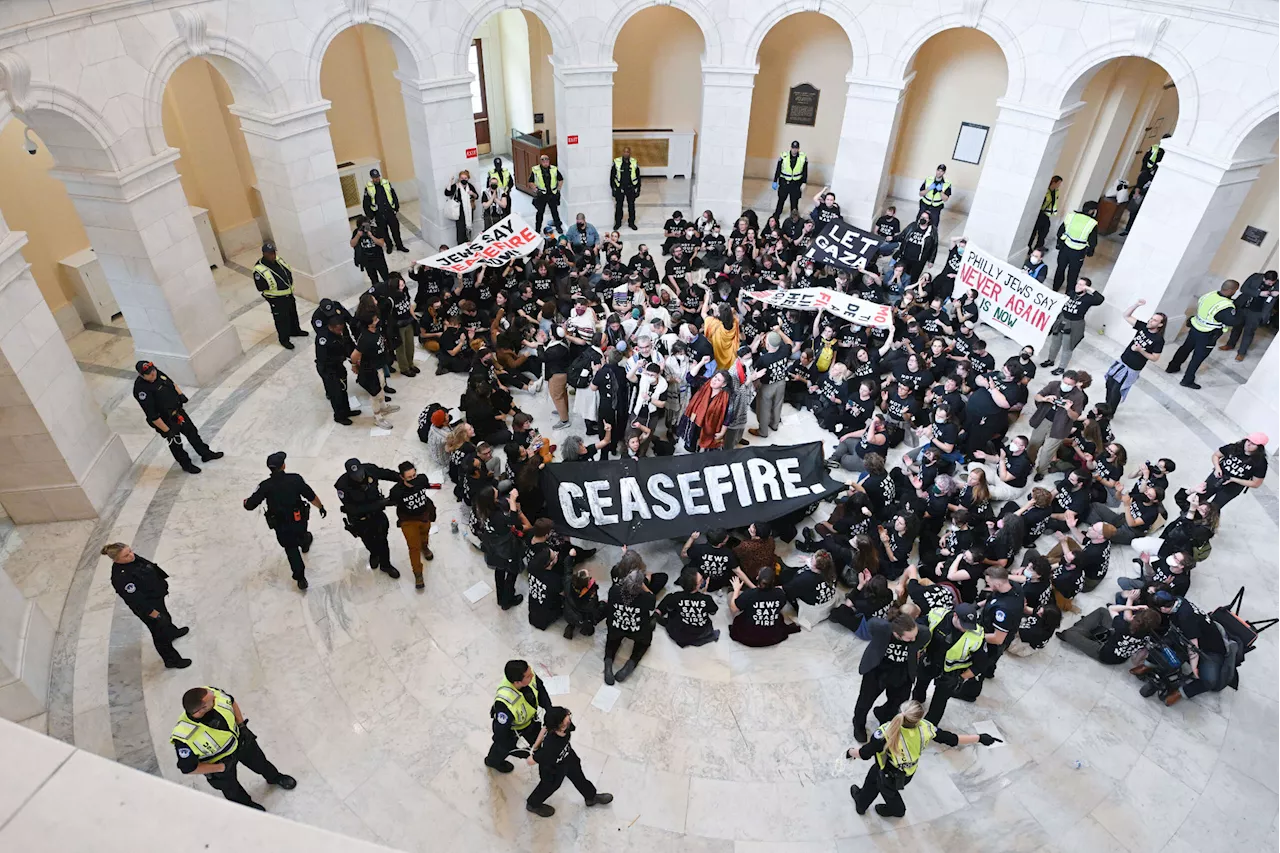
(374, 173)
(268, 247)
(497, 162)
(968, 616)
(276, 460)
(795, 143)
(144, 367)
(355, 468)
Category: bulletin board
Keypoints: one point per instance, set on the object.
(971, 142)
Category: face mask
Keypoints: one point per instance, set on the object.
(1065, 387)
(580, 310)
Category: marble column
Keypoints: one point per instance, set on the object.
(26, 652)
(140, 226)
(1184, 219)
(584, 109)
(297, 174)
(872, 110)
(442, 130)
(1253, 404)
(61, 462)
(722, 141)
(1019, 161)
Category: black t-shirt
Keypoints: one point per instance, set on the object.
(677, 268)
(763, 606)
(1094, 559)
(1120, 645)
(1240, 465)
(716, 564)
(556, 751)
(630, 617)
(809, 587)
(687, 614)
(1079, 304)
(1152, 343)
(1018, 467)
(1069, 500)
(372, 347)
(887, 227)
(776, 365)
(545, 586)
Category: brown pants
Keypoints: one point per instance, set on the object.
(1055, 553)
(417, 535)
(404, 348)
(559, 395)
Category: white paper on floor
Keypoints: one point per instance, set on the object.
(378, 431)
(606, 697)
(557, 685)
(434, 530)
(476, 592)
(420, 355)
(353, 402)
(988, 727)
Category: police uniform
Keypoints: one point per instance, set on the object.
(1077, 238)
(1214, 312)
(950, 652)
(515, 715)
(288, 500)
(274, 280)
(332, 353)
(216, 738)
(381, 203)
(1001, 612)
(546, 181)
(143, 585)
(624, 180)
(1150, 163)
(365, 508)
(162, 400)
(936, 192)
(790, 174)
(1040, 231)
(506, 180)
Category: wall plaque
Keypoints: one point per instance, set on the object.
(1253, 235)
(802, 105)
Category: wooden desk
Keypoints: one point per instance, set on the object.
(526, 150)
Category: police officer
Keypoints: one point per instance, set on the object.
(333, 348)
(955, 652)
(162, 402)
(1214, 312)
(515, 714)
(1151, 162)
(934, 193)
(143, 585)
(274, 280)
(1048, 207)
(1077, 239)
(365, 507)
(624, 180)
(789, 177)
(1001, 615)
(213, 737)
(328, 308)
(287, 496)
(546, 180)
(382, 204)
(506, 180)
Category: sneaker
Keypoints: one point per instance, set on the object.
(543, 810)
(600, 799)
(561, 425)
(390, 408)
(217, 454)
(537, 386)
(180, 663)
(383, 423)
(286, 782)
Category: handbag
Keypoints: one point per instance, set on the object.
(452, 209)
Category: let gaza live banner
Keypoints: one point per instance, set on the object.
(507, 240)
(1009, 300)
(859, 311)
(668, 497)
(841, 245)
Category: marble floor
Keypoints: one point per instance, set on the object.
(374, 696)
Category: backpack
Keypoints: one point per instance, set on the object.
(424, 421)
(582, 369)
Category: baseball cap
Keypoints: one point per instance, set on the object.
(1259, 438)
(374, 173)
(144, 367)
(439, 418)
(268, 247)
(968, 616)
(276, 460)
(355, 468)
(795, 143)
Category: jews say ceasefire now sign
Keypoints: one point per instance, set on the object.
(1009, 300)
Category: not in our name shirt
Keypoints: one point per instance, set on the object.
(1152, 343)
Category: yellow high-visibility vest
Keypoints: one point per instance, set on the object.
(789, 172)
(504, 177)
(635, 170)
(911, 742)
(274, 286)
(371, 190)
(1079, 227)
(935, 195)
(210, 744)
(1207, 311)
(1050, 203)
(522, 713)
(538, 180)
(960, 655)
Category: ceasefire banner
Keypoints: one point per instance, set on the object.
(1009, 300)
(668, 497)
(841, 245)
(859, 311)
(507, 240)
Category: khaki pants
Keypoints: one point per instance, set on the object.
(404, 349)
(417, 535)
(1043, 446)
(557, 388)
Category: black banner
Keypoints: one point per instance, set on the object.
(668, 497)
(842, 245)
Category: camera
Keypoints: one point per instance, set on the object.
(505, 487)
(28, 144)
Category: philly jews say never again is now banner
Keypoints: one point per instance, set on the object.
(508, 239)
(1009, 300)
(668, 497)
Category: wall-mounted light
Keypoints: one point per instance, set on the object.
(29, 143)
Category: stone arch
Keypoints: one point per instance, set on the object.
(74, 132)
(251, 80)
(564, 44)
(1014, 60)
(836, 11)
(1070, 85)
(1254, 133)
(713, 52)
(412, 60)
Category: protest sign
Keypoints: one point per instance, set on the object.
(508, 239)
(859, 311)
(843, 246)
(1009, 300)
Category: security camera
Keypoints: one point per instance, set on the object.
(28, 143)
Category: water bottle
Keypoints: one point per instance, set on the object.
(1102, 330)
(1077, 764)
(453, 525)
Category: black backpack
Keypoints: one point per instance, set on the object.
(582, 369)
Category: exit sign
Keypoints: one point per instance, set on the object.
(572, 140)
(472, 152)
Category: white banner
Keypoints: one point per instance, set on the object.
(508, 239)
(851, 308)
(1009, 300)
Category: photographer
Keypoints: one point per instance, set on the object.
(1058, 405)
(369, 242)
